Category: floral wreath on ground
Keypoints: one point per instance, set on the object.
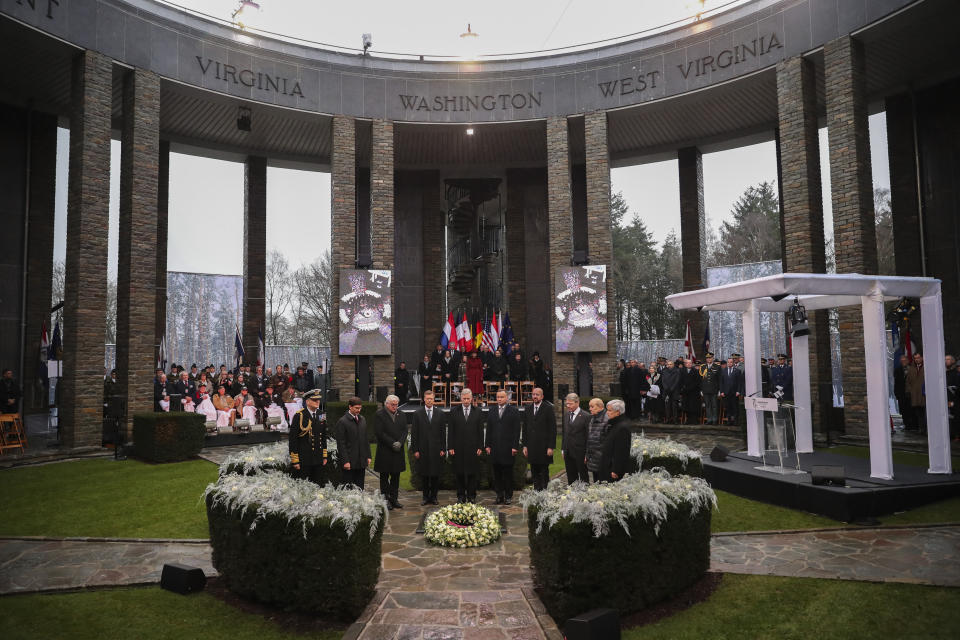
(643, 447)
(462, 525)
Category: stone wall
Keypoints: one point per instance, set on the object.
(382, 235)
(693, 235)
(343, 237)
(560, 230)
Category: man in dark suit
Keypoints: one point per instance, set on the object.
(401, 382)
(690, 391)
(615, 452)
(426, 375)
(429, 446)
(308, 372)
(539, 438)
(502, 444)
(390, 427)
(465, 445)
(732, 387)
(308, 439)
(353, 449)
(574, 444)
(184, 388)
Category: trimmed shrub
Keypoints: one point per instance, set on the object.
(276, 457)
(625, 545)
(168, 437)
(677, 458)
(294, 545)
(336, 410)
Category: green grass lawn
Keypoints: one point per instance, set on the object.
(783, 608)
(734, 513)
(102, 497)
(910, 458)
(142, 613)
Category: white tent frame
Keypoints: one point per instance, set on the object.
(825, 291)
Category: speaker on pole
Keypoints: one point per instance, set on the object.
(615, 391)
(828, 474)
(562, 391)
(719, 453)
(599, 624)
(182, 579)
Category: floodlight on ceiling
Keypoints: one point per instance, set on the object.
(242, 14)
(469, 38)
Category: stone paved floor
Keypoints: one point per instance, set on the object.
(924, 555)
(37, 564)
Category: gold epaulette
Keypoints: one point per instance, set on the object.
(294, 458)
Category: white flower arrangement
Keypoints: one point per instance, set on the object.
(264, 457)
(462, 526)
(277, 494)
(642, 447)
(648, 494)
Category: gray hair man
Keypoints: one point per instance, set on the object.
(390, 428)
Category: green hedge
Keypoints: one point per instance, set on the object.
(675, 466)
(236, 464)
(484, 480)
(168, 437)
(336, 410)
(574, 572)
(326, 574)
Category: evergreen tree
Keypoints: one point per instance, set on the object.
(754, 233)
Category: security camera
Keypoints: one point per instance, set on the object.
(367, 42)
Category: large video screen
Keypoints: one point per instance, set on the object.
(581, 308)
(365, 320)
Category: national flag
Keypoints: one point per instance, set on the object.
(908, 341)
(493, 330)
(706, 335)
(56, 345)
(238, 347)
(162, 354)
(478, 335)
(448, 333)
(44, 343)
(260, 356)
(458, 331)
(688, 343)
(466, 344)
(506, 334)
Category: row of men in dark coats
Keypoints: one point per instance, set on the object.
(463, 435)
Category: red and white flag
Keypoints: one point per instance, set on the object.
(688, 343)
(494, 332)
(466, 340)
(44, 343)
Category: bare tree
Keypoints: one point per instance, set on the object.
(111, 321)
(280, 291)
(315, 307)
(886, 263)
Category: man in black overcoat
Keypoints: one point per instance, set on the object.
(401, 382)
(465, 445)
(615, 452)
(353, 448)
(732, 387)
(690, 391)
(429, 446)
(502, 444)
(308, 440)
(390, 428)
(539, 438)
(576, 426)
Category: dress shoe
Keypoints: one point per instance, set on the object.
(424, 503)
(434, 501)
(389, 506)
(507, 501)
(396, 505)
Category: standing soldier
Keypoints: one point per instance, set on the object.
(710, 386)
(782, 376)
(308, 439)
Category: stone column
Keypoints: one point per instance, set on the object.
(693, 234)
(254, 256)
(904, 199)
(43, 179)
(854, 234)
(434, 262)
(163, 206)
(516, 297)
(85, 295)
(343, 221)
(382, 235)
(801, 209)
(560, 225)
(600, 245)
(137, 253)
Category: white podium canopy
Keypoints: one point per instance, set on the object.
(817, 291)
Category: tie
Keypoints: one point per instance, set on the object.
(429, 415)
(501, 412)
(536, 408)
(466, 414)
(571, 416)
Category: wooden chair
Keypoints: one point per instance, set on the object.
(440, 394)
(513, 391)
(12, 435)
(526, 391)
(490, 391)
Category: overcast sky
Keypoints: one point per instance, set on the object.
(206, 195)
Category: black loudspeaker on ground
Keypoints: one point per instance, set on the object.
(719, 453)
(599, 624)
(182, 579)
(823, 474)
